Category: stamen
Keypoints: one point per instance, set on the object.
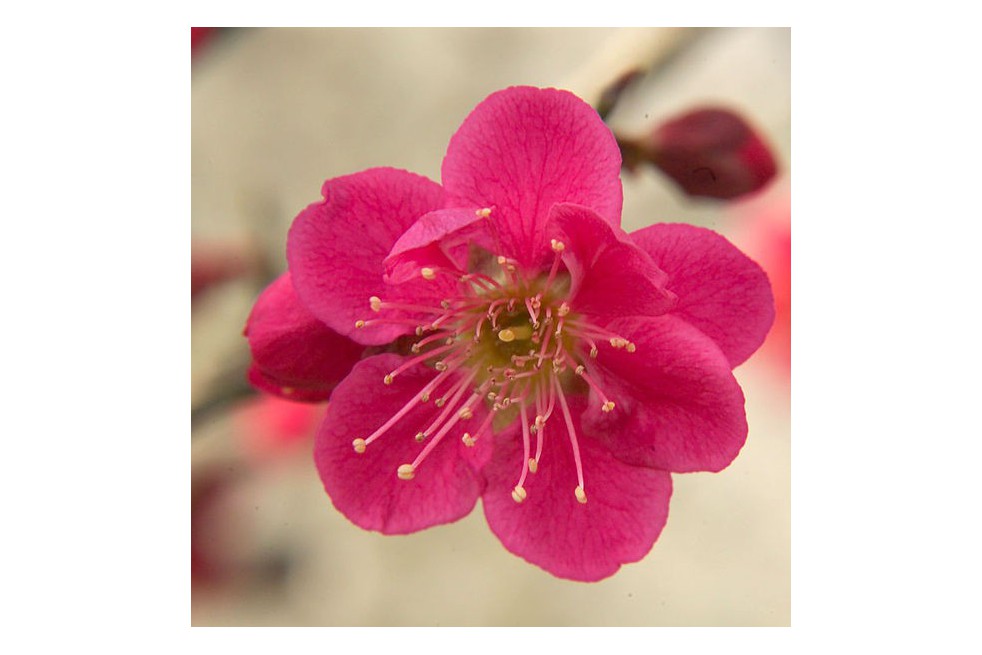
(359, 445)
(506, 335)
(427, 273)
(580, 493)
(608, 404)
(518, 494)
(406, 472)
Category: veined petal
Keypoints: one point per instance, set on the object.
(626, 507)
(336, 247)
(364, 486)
(721, 291)
(295, 356)
(678, 406)
(524, 149)
(439, 239)
(611, 276)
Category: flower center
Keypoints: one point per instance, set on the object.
(507, 340)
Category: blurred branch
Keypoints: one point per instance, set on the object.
(640, 52)
(230, 387)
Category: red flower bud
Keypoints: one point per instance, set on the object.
(711, 152)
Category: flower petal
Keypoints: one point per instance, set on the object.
(721, 291)
(678, 406)
(364, 487)
(626, 506)
(295, 356)
(524, 149)
(439, 239)
(611, 276)
(336, 247)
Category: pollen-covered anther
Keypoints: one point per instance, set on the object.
(608, 406)
(483, 213)
(359, 324)
(558, 246)
(359, 445)
(376, 303)
(406, 472)
(468, 440)
(507, 335)
(465, 413)
(593, 352)
(563, 309)
(533, 465)
(388, 378)
(630, 347)
(425, 398)
(440, 402)
(441, 366)
(427, 273)
(618, 342)
(580, 494)
(580, 369)
(415, 348)
(518, 494)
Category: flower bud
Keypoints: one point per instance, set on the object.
(709, 152)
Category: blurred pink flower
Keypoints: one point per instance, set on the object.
(763, 228)
(708, 152)
(501, 337)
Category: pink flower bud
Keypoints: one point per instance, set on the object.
(711, 152)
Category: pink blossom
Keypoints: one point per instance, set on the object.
(515, 344)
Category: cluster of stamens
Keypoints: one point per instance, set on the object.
(505, 341)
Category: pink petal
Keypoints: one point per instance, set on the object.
(336, 247)
(524, 149)
(364, 487)
(611, 276)
(295, 356)
(721, 291)
(439, 239)
(677, 404)
(626, 506)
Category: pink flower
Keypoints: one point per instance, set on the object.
(518, 346)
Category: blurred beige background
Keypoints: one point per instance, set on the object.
(276, 112)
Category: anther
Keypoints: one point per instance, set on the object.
(630, 347)
(465, 413)
(608, 406)
(618, 342)
(558, 246)
(518, 494)
(359, 324)
(419, 331)
(425, 398)
(427, 273)
(441, 366)
(359, 445)
(439, 402)
(563, 310)
(533, 465)
(580, 495)
(388, 379)
(593, 352)
(376, 303)
(406, 472)
(468, 440)
(506, 335)
(420, 437)
(483, 213)
(579, 369)
(415, 348)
